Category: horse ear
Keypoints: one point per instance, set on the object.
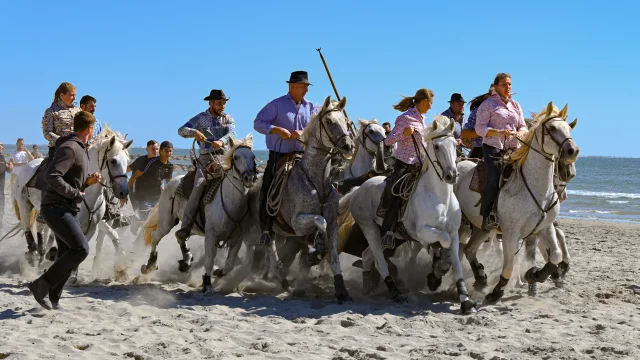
(435, 125)
(248, 140)
(128, 144)
(549, 108)
(573, 124)
(362, 122)
(342, 103)
(564, 111)
(230, 142)
(452, 125)
(327, 102)
(112, 141)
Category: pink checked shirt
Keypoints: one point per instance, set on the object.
(405, 151)
(493, 114)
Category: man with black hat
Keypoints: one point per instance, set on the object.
(212, 129)
(282, 121)
(455, 112)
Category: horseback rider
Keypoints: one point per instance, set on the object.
(455, 112)
(67, 179)
(219, 127)
(58, 118)
(469, 127)
(499, 121)
(148, 180)
(88, 103)
(282, 121)
(408, 126)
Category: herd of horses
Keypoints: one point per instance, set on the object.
(314, 220)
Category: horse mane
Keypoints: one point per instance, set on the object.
(313, 123)
(537, 119)
(228, 155)
(104, 138)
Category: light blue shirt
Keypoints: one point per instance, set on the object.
(282, 112)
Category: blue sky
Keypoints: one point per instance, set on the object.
(149, 64)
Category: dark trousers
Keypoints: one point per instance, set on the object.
(267, 179)
(390, 202)
(73, 246)
(490, 154)
(476, 153)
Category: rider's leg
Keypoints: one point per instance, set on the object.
(266, 221)
(191, 209)
(391, 203)
(491, 154)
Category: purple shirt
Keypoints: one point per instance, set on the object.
(406, 151)
(494, 114)
(282, 112)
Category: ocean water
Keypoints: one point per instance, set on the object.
(605, 188)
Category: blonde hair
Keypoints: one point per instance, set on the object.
(408, 102)
(64, 88)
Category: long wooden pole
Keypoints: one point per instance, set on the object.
(351, 125)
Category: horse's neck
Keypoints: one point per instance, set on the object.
(363, 161)
(319, 175)
(430, 182)
(538, 172)
(231, 187)
(94, 193)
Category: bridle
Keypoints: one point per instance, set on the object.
(332, 151)
(545, 131)
(433, 146)
(363, 141)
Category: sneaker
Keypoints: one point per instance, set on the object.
(40, 289)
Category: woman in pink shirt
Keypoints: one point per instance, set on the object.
(499, 121)
(409, 124)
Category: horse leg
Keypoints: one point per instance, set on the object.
(276, 265)
(509, 246)
(40, 235)
(372, 232)
(559, 275)
(534, 274)
(467, 305)
(428, 235)
(370, 275)
(164, 227)
(302, 280)
(232, 255)
(531, 244)
(187, 258)
(210, 250)
(338, 281)
(478, 236)
(97, 263)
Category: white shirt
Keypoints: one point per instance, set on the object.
(19, 157)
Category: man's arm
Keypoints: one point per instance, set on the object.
(133, 178)
(231, 133)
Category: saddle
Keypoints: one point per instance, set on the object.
(479, 179)
(185, 188)
(286, 161)
(414, 174)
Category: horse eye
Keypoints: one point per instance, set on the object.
(437, 147)
(552, 128)
(370, 131)
(114, 161)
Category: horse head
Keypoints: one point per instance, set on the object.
(443, 143)
(371, 137)
(331, 129)
(243, 160)
(555, 134)
(112, 161)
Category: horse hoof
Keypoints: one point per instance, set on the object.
(343, 298)
(480, 284)
(147, 269)
(314, 258)
(533, 289)
(183, 266)
(530, 275)
(468, 307)
(73, 281)
(433, 282)
(207, 289)
(32, 258)
(219, 273)
(52, 254)
(400, 298)
(298, 292)
(493, 297)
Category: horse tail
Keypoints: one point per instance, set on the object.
(345, 220)
(32, 217)
(151, 225)
(16, 208)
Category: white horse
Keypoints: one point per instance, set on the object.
(432, 213)
(223, 214)
(109, 156)
(528, 202)
(369, 154)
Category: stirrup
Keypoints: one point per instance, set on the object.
(490, 222)
(388, 240)
(265, 238)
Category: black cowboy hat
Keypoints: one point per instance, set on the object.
(217, 95)
(299, 77)
(456, 97)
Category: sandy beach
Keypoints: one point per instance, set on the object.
(164, 316)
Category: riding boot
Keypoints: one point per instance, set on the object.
(191, 210)
(390, 205)
(489, 217)
(266, 221)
